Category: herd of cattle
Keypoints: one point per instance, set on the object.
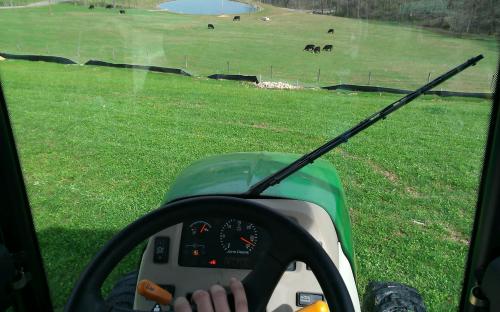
(317, 49)
(310, 47)
(108, 6)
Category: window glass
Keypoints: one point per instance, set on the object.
(101, 141)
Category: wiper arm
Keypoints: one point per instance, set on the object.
(310, 157)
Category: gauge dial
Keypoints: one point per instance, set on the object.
(238, 237)
(200, 228)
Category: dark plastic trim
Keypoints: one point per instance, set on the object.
(485, 239)
(16, 222)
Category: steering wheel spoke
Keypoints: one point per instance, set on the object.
(261, 282)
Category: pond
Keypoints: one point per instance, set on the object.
(207, 7)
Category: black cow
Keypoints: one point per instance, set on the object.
(331, 31)
(317, 49)
(236, 18)
(210, 26)
(309, 47)
(328, 47)
(91, 7)
(122, 11)
(109, 6)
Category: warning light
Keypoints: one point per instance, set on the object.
(212, 262)
(196, 252)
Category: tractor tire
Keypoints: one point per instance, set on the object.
(123, 293)
(392, 297)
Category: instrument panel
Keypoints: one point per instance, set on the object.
(221, 243)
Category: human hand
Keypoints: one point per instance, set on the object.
(217, 294)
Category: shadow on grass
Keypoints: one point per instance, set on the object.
(66, 253)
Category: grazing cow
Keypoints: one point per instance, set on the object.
(237, 18)
(109, 6)
(309, 47)
(122, 11)
(210, 26)
(317, 50)
(328, 47)
(91, 7)
(331, 31)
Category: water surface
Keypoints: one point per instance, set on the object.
(207, 7)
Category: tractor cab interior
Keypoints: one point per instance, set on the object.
(149, 150)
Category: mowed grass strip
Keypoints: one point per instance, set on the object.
(365, 52)
(100, 147)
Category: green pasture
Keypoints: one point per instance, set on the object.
(100, 147)
(365, 52)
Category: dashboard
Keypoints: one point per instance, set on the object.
(221, 243)
(201, 252)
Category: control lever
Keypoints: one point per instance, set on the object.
(153, 292)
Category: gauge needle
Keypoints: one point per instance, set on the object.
(202, 228)
(247, 241)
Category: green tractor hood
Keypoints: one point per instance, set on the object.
(233, 174)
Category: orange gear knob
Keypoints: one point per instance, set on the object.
(318, 306)
(152, 291)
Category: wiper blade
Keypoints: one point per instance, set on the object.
(310, 157)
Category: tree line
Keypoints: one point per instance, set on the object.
(460, 16)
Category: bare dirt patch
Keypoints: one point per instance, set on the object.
(456, 236)
(390, 176)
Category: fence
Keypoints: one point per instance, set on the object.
(142, 67)
(271, 77)
(38, 58)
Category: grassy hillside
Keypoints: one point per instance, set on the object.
(100, 147)
(396, 56)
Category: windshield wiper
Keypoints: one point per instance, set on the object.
(310, 157)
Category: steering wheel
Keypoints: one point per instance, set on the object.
(259, 284)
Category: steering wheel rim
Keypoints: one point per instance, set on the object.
(259, 283)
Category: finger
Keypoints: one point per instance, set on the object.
(240, 298)
(182, 305)
(219, 298)
(203, 301)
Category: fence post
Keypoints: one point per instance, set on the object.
(271, 72)
(186, 60)
(79, 44)
(113, 53)
(319, 74)
(429, 77)
(369, 77)
(228, 67)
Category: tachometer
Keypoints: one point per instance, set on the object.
(238, 237)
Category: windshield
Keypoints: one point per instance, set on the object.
(110, 101)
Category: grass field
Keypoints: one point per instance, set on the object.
(100, 147)
(395, 55)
